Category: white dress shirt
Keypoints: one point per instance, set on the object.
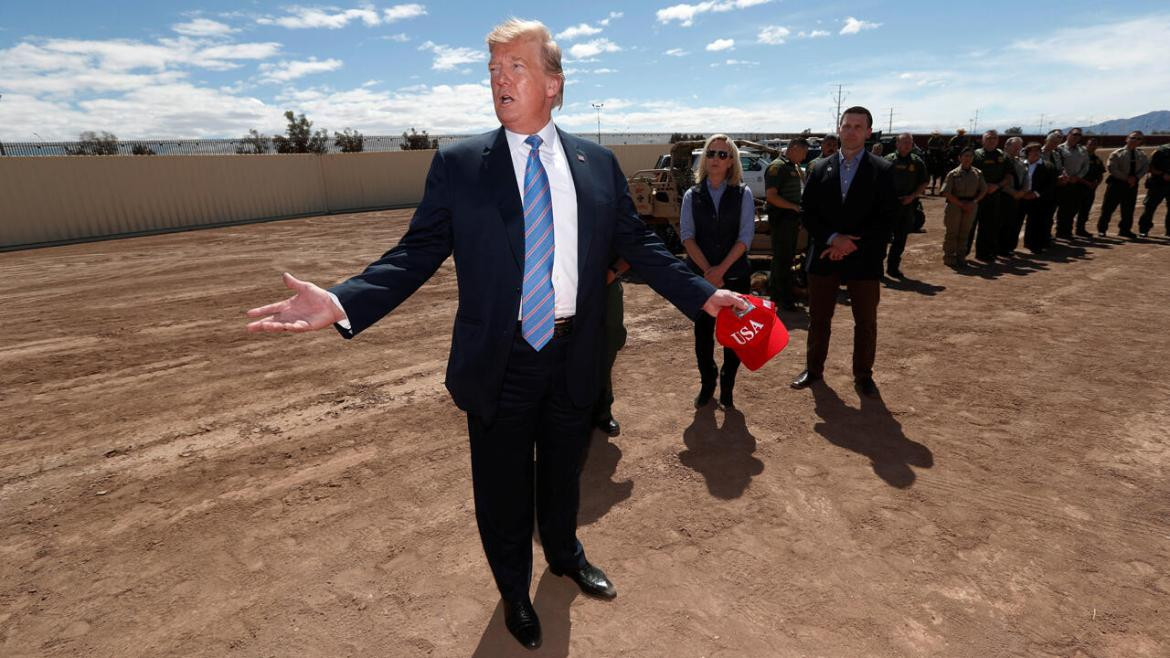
(564, 210)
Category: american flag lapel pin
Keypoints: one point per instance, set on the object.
(581, 157)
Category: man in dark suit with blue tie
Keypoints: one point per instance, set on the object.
(530, 214)
(849, 206)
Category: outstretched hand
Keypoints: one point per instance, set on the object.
(310, 309)
(723, 298)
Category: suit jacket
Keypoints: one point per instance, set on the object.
(1044, 181)
(471, 208)
(868, 211)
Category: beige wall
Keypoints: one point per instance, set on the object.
(64, 199)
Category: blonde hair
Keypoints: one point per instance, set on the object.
(516, 29)
(735, 175)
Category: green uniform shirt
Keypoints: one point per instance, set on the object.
(1096, 169)
(785, 176)
(993, 164)
(909, 172)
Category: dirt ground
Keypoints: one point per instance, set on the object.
(173, 486)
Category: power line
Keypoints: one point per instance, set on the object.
(840, 98)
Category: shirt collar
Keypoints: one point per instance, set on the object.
(852, 161)
(714, 188)
(550, 140)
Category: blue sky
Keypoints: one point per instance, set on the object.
(216, 68)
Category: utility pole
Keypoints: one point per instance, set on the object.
(1041, 123)
(975, 122)
(840, 97)
(598, 106)
(890, 129)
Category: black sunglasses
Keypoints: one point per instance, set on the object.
(722, 155)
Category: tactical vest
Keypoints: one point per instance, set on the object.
(716, 233)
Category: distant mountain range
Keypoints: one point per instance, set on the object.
(1149, 123)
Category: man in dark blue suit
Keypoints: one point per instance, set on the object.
(530, 214)
(849, 206)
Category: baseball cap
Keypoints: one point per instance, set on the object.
(755, 335)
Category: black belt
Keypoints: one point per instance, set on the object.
(561, 327)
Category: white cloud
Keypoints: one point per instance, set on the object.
(741, 62)
(612, 16)
(203, 27)
(450, 57)
(604, 71)
(308, 17)
(592, 48)
(401, 37)
(685, 14)
(774, 34)
(721, 44)
(577, 31)
(853, 26)
(285, 71)
(403, 12)
(812, 34)
(676, 52)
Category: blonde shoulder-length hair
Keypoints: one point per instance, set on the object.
(735, 175)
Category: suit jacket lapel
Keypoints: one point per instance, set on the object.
(833, 181)
(501, 176)
(586, 208)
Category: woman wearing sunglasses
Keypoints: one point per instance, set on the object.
(716, 224)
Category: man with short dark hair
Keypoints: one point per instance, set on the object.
(849, 205)
(910, 181)
(1127, 166)
(1071, 193)
(1157, 187)
(990, 160)
(783, 182)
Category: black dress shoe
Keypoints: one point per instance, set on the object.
(895, 273)
(704, 396)
(726, 400)
(867, 387)
(804, 380)
(521, 620)
(1128, 234)
(610, 427)
(591, 580)
(1082, 233)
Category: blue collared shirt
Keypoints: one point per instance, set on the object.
(747, 214)
(848, 168)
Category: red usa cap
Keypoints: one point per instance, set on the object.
(755, 334)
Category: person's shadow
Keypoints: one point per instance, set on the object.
(723, 455)
(554, 596)
(871, 431)
(913, 285)
(599, 491)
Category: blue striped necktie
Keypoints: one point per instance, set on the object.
(538, 303)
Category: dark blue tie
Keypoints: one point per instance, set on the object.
(538, 303)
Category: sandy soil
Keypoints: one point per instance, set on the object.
(172, 486)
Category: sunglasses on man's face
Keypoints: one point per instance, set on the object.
(722, 155)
